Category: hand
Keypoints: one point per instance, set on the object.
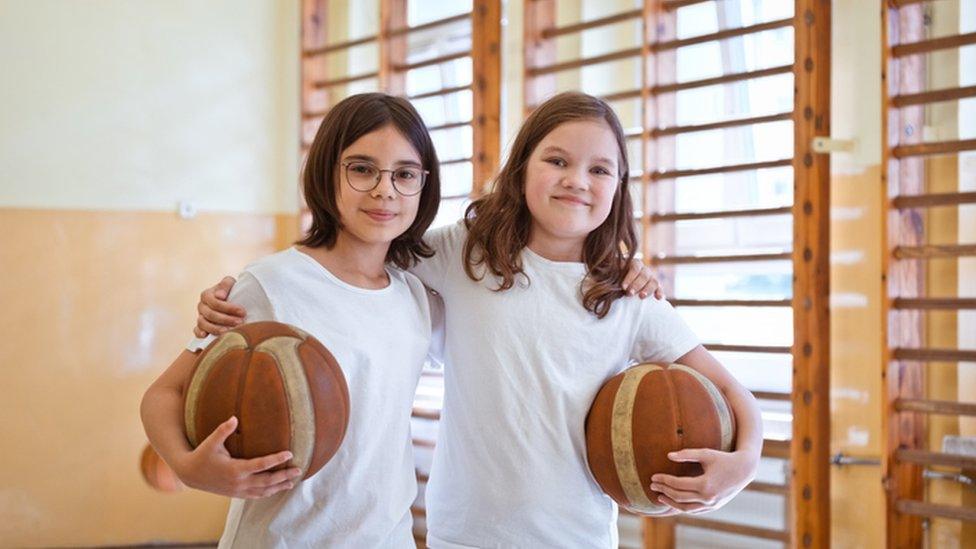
(215, 315)
(640, 281)
(210, 467)
(726, 474)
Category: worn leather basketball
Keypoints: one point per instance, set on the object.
(285, 388)
(643, 413)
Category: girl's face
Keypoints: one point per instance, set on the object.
(381, 214)
(570, 181)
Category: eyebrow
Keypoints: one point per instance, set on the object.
(553, 148)
(367, 158)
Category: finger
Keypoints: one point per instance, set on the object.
(681, 496)
(255, 493)
(212, 299)
(197, 332)
(209, 327)
(690, 484)
(222, 289)
(659, 293)
(685, 507)
(263, 463)
(700, 455)
(219, 435)
(218, 318)
(263, 480)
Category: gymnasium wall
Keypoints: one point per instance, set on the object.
(114, 112)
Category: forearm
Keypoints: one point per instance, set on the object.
(162, 419)
(749, 438)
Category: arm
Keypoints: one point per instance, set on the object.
(725, 473)
(209, 467)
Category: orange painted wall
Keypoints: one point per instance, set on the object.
(96, 305)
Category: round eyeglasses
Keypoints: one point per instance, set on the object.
(364, 177)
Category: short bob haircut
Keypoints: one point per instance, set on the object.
(347, 121)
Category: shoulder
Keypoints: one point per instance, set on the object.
(448, 238)
(408, 282)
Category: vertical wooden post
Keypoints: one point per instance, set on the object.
(901, 379)
(392, 48)
(486, 61)
(810, 450)
(539, 16)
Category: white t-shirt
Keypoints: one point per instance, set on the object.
(380, 338)
(522, 367)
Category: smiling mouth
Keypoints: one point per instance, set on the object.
(571, 200)
(380, 215)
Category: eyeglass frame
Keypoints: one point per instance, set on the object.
(379, 177)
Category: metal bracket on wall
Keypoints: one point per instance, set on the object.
(840, 459)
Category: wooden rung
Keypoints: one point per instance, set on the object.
(440, 92)
(674, 130)
(675, 4)
(423, 442)
(418, 511)
(934, 355)
(725, 79)
(657, 176)
(925, 457)
(426, 413)
(585, 62)
(434, 61)
(593, 23)
(347, 80)
(772, 349)
(721, 35)
(733, 528)
(340, 46)
(434, 373)
(935, 44)
(758, 212)
(731, 302)
(427, 26)
(935, 199)
(690, 259)
(455, 161)
(938, 147)
(776, 448)
(925, 509)
(933, 96)
(768, 488)
(620, 96)
(449, 126)
(421, 477)
(934, 251)
(770, 395)
(930, 303)
(902, 3)
(941, 407)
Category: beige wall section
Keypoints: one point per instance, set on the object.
(115, 104)
(857, 498)
(96, 305)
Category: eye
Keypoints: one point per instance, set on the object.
(600, 170)
(362, 169)
(556, 161)
(407, 175)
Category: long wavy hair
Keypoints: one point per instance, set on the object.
(347, 121)
(498, 223)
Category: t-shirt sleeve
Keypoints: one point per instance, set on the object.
(663, 336)
(248, 293)
(447, 243)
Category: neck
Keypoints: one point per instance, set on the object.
(556, 249)
(352, 261)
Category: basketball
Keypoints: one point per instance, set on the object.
(640, 415)
(285, 388)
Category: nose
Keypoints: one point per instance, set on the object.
(574, 179)
(384, 189)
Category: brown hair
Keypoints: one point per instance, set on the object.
(347, 121)
(498, 223)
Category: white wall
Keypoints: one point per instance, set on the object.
(137, 104)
